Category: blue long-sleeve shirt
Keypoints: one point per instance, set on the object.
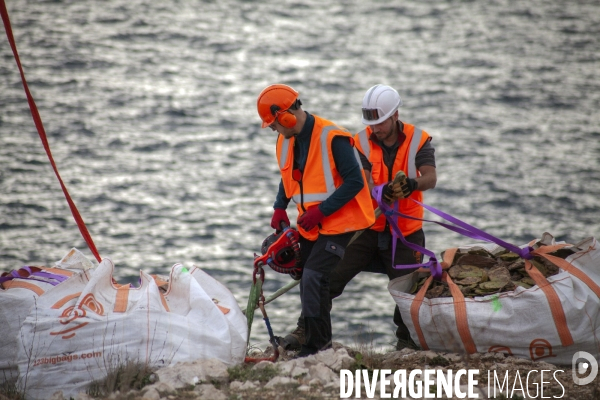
(345, 163)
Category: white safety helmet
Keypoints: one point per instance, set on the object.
(379, 103)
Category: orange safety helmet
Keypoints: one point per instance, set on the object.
(273, 104)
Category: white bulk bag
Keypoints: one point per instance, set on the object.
(550, 321)
(19, 295)
(74, 337)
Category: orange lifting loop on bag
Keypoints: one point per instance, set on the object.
(570, 268)
(558, 313)
(460, 313)
(121, 299)
(418, 300)
(24, 285)
(414, 311)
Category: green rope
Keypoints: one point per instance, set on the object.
(253, 298)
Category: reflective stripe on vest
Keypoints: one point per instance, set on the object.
(327, 174)
(284, 153)
(364, 142)
(412, 153)
(412, 150)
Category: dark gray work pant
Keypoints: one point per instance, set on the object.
(372, 251)
(321, 257)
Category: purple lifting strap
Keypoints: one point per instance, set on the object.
(476, 233)
(27, 273)
(462, 227)
(433, 264)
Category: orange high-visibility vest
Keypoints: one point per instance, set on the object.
(320, 179)
(405, 161)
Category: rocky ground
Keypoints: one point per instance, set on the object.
(318, 376)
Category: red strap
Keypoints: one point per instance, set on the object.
(40, 128)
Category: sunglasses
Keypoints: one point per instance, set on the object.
(370, 114)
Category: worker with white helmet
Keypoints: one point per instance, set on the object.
(390, 145)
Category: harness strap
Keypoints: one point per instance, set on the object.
(40, 128)
(433, 264)
(34, 274)
(459, 226)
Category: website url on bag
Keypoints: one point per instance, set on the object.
(66, 358)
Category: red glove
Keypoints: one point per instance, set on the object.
(279, 216)
(311, 218)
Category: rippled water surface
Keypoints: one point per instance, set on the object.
(150, 112)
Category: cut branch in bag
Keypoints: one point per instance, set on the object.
(481, 273)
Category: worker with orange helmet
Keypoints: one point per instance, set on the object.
(390, 145)
(322, 173)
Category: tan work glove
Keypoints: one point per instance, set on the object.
(404, 188)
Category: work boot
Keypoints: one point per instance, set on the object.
(404, 343)
(294, 340)
(305, 351)
(404, 339)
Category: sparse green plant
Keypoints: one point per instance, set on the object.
(124, 377)
(367, 356)
(10, 391)
(439, 361)
(246, 372)
(359, 362)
